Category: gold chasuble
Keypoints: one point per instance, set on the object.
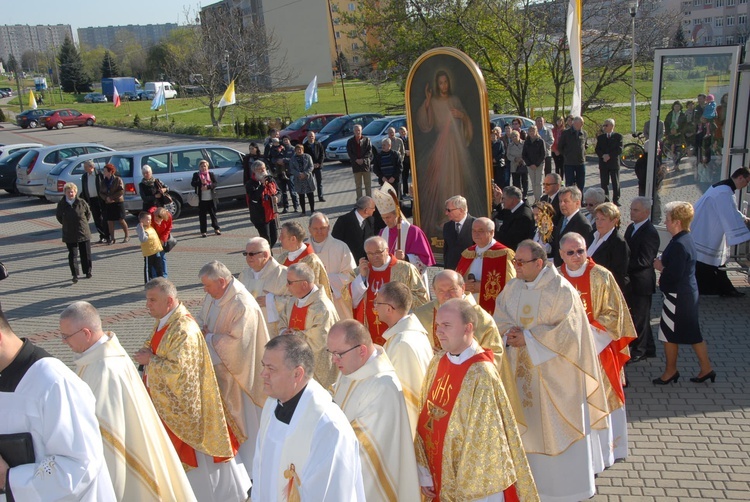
(607, 311)
(467, 435)
(309, 258)
(497, 270)
(181, 381)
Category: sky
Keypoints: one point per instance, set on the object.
(93, 13)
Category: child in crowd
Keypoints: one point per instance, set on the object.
(161, 220)
(150, 247)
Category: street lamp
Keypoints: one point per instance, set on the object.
(633, 10)
(54, 61)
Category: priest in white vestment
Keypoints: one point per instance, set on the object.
(142, 461)
(370, 394)
(265, 279)
(406, 344)
(307, 450)
(554, 364)
(39, 395)
(337, 259)
(236, 333)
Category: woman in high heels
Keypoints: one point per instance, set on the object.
(679, 316)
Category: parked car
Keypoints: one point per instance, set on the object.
(297, 130)
(149, 95)
(130, 96)
(71, 170)
(501, 120)
(4, 94)
(377, 131)
(33, 168)
(95, 97)
(57, 119)
(174, 166)
(343, 127)
(31, 118)
(7, 90)
(8, 170)
(6, 150)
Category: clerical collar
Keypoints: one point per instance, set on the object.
(728, 182)
(293, 255)
(285, 411)
(480, 251)
(12, 375)
(164, 319)
(102, 339)
(532, 284)
(317, 246)
(577, 273)
(301, 301)
(465, 354)
(385, 265)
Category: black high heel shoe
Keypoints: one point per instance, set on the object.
(708, 376)
(672, 379)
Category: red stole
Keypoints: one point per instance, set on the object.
(611, 358)
(308, 251)
(184, 450)
(298, 317)
(494, 268)
(365, 311)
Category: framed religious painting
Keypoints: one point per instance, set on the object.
(449, 138)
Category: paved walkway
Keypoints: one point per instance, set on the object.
(687, 441)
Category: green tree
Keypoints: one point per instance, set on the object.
(72, 75)
(344, 63)
(109, 67)
(679, 40)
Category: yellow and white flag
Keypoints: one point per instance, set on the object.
(573, 31)
(32, 100)
(228, 98)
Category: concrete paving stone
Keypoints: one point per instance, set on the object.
(734, 494)
(695, 484)
(730, 485)
(716, 476)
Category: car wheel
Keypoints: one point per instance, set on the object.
(90, 122)
(59, 125)
(175, 207)
(33, 124)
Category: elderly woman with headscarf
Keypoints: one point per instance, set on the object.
(152, 190)
(113, 193)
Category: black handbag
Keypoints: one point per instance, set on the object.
(170, 244)
(3, 271)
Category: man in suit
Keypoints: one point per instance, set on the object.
(518, 219)
(643, 241)
(90, 182)
(356, 226)
(551, 187)
(456, 231)
(609, 149)
(572, 220)
(360, 155)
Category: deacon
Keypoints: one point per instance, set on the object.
(307, 449)
(181, 382)
(406, 343)
(486, 266)
(468, 444)
(265, 279)
(337, 259)
(370, 394)
(612, 329)
(552, 355)
(40, 396)
(309, 313)
(405, 241)
(142, 462)
(292, 239)
(235, 332)
(379, 268)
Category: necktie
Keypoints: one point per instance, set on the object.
(564, 223)
(458, 228)
(609, 135)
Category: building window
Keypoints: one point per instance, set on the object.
(353, 7)
(355, 46)
(695, 22)
(697, 3)
(730, 39)
(730, 3)
(741, 39)
(334, 8)
(719, 3)
(338, 34)
(730, 20)
(742, 1)
(709, 2)
(707, 20)
(717, 41)
(336, 21)
(355, 59)
(719, 22)
(741, 18)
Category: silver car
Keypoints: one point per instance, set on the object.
(33, 168)
(70, 170)
(377, 131)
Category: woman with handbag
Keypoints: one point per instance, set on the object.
(261, 193)
(204, 183)
(153, 191)
(300, 169)
(113, 193)
(162, 222)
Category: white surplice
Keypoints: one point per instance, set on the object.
(339, 264)
(717, 225)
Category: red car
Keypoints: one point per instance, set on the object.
(57, 119)
(297, 130)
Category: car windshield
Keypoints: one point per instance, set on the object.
(60, 167)
(297, 124)
(375, 127)
(13, 157)
(27, 159)
(334, 126)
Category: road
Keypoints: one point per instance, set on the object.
(687, 441)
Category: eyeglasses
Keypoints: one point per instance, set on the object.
(451, 210)
(383, 303)
(521, 263)
(245, 253)
(289, 283)
(550, 184)
(590, 204)
(64, 337)
(339, 355)
(579, 252)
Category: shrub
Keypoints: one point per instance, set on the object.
(2, 115)
(137, 120)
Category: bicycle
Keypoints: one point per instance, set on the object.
(632, 152)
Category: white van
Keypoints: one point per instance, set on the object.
(169, 90)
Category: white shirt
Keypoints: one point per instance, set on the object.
(598, 240)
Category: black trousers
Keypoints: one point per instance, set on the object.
(206, 208)
(610, 175)
(712, 280)
(310, 199)
(640, 311)
(521, 180)
(405, 172)
(547, 165)
(100, 221)
(152, 267)
(318, 173)
(76, 248)
(268, 231)
(559, 165)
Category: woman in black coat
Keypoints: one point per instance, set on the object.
(608, 248)
(204, 183)
(261, 193)
(679, 316)
(152, 190)
(74, 215)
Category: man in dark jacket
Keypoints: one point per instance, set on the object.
(315, 150)
(609, 149)
(280, 155)
(572, 146)
(517, 217)
(359, 150)
(261, 190)
(534, 152)
(456, 231)
(356, 226)
(571, 220)
(387, 166)
(91, 180)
